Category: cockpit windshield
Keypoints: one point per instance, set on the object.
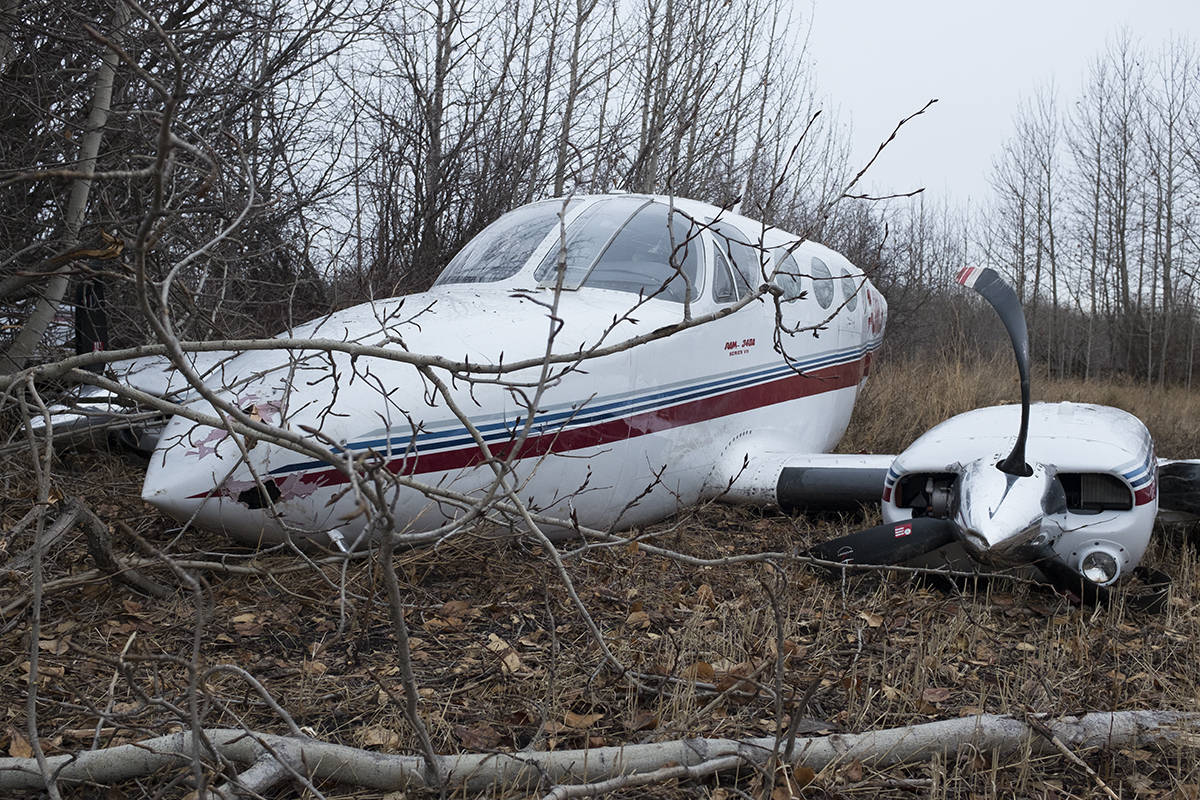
(627, 245)
(502, 248)
(587, 236)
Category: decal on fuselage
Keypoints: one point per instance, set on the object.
(736, 348)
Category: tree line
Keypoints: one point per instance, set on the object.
(319, 153)
(1094, 213)
(270, 161)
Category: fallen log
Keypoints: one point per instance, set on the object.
(496, 771)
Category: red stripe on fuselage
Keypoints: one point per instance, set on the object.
(1146, 493)
(792, 387)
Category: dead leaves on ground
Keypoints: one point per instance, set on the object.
(18, 745)
(510, 662)
(504, 661)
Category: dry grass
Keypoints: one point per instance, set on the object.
(875, 651)
(904, 398)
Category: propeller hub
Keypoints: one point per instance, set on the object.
(1002, 516)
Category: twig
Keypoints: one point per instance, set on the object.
(100, 547)
(112, 687)
(904, 784)
(7, 537)
(641, 779)
(773, 594)
(1039, 726)
(404, 654)
(66, 520)
(883, 145)
(41, 466)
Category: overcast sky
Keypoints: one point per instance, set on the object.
(879, 60)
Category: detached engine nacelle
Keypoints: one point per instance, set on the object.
(1089, 502)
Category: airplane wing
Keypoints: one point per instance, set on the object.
(89, 413)
(808, 481)
(1179, 490)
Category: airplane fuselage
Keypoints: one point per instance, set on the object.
(615, 441)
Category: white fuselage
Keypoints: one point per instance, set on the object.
(616, 441)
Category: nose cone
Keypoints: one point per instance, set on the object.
(205, 477)
(192, 475)
(1001, 515)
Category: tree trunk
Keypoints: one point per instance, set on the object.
(483, 772)
(34, 328)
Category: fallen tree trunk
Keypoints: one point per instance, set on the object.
(483, 771)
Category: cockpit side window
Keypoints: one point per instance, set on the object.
(746, 257)
(650, 257)
(502, 248)
(723, 290)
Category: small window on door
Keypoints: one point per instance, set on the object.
(746, 257)
(787, 278)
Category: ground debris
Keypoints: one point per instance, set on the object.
(504, 663)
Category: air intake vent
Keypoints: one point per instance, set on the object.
(1093, 492)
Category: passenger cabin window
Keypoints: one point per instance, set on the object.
(723, 288)
(822, 283)
(625, 244)
(850, 290)
(787, 278)
(502, 248)
(746, 257)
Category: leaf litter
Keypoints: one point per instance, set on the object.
(504, 662)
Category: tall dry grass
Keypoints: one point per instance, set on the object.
(905, 397)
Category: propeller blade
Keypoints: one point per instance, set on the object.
(1001, 296)
(892, 543)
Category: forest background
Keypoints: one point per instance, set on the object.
(321, 154)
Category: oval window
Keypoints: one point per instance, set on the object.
(850, 290)
(787, 278)
(822, 283)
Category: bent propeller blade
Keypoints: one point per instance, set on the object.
(1004, 300)
(890, 543)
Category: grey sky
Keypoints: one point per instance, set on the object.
(879, 60)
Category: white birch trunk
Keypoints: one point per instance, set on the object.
(477, 772)
(48, 302)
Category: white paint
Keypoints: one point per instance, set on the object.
(645, 387)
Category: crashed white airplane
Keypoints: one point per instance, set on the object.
(744, 407)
